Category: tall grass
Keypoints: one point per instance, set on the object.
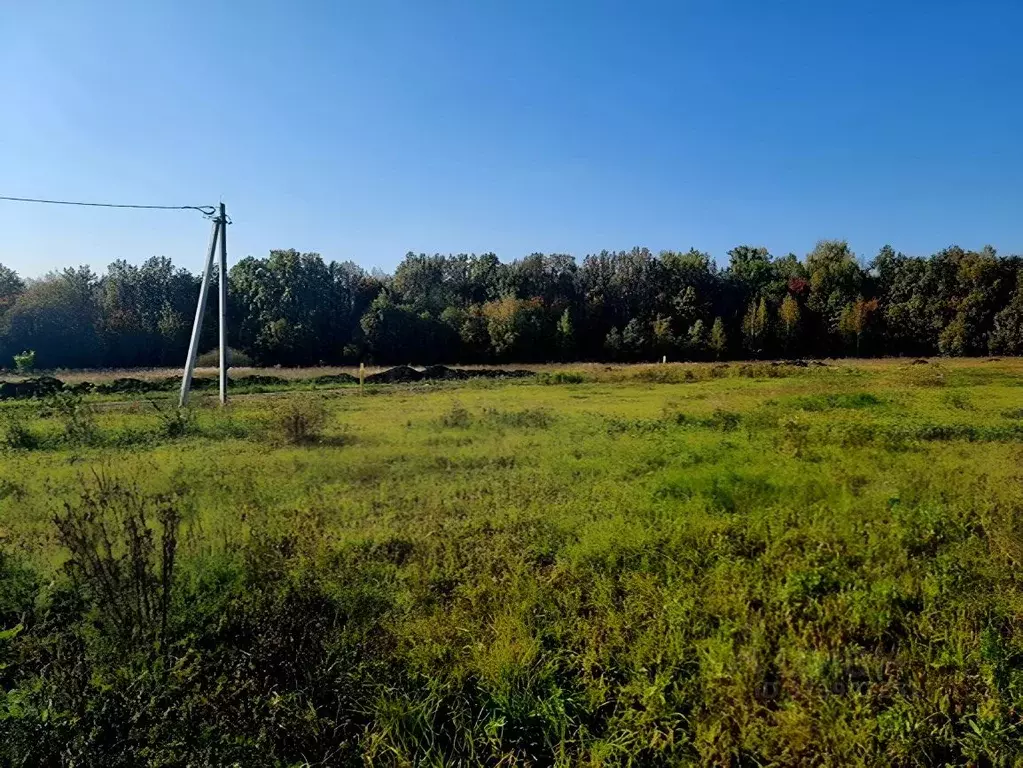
(818, 568)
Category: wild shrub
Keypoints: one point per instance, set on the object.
(560, 377)
(726, 421)
(77, 416)
(456, 417)
(925, 376)
(17, 434)
(123, 546)
(11, 489)
(852, 400)
(795, 436)
(958, 399)
(1003, 528)
(174, 422)
(661, 374)
(853, 435)
(672, 413)
(300, 419)
(766, 370)
(527, 418)
(719, 370)
(18, 586)
(24, 362)
(899, 439)
(616, 426)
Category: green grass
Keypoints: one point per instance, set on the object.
(664, 565)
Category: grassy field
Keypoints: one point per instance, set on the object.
(657, 565)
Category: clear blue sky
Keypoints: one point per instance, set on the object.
(365, 129)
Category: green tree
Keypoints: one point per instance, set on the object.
(696, 339)
(516, 327)
(751, 271)
(474, 333)
(390, 330)
(58, 316)
(788, 323)
(835, 280)
(1007, 332)
(718, 339)
(755, 327)
(635, 342)
(10, 286)
(566, 336)
(613, 343)
(294, 309)
(662, 336)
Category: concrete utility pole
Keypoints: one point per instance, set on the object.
(223, 305)
(219, 232)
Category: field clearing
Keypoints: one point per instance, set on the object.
(611, 371)
(681, 564)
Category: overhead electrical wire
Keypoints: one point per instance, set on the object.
(205, 210)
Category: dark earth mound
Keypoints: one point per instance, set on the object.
(48, 385)
(399, 375)
(38, 387)
(124, 385)
(442, 372)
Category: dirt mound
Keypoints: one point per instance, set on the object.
(48, 385)
(399, 375)
(132, 386)
(442, 372)
(920, 361)
(124, 386)
(38, 387)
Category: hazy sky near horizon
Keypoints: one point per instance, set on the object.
(362, 130)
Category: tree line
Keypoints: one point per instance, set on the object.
(293, 308)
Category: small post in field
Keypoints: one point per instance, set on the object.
(362, 376)
(664, 359)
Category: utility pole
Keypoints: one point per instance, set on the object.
(223, 305)
(219, 233)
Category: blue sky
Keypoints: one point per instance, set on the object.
(365, 129)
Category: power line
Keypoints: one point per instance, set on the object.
(206, 210)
